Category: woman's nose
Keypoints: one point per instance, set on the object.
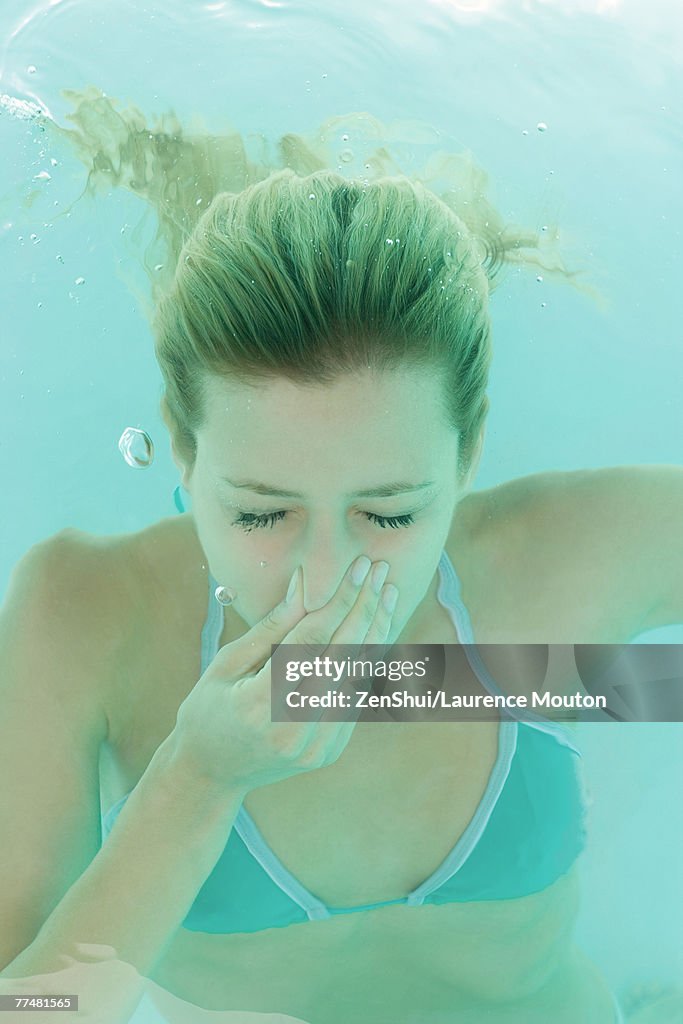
(321, 578)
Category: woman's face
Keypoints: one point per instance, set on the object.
(325, 445)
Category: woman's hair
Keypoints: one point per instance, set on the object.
(285, 268)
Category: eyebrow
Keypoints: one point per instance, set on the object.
(383, 491)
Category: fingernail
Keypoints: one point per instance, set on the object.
(292, 585)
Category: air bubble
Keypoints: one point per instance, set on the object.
(539, 278)
(542, 126)
(312, 195)
(224, 595)
(137, 448)
(34, 239)
(525, 132)
(390, 241)
(79, 280)
(345, 137)
(158, 266)
(31, 69)
(59, 258)
(54, 162)
(42, 176)
(346, 156)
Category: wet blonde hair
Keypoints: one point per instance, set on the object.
(284, 268)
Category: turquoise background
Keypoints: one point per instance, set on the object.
(572, 385)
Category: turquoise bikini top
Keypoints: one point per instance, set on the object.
(527, 831)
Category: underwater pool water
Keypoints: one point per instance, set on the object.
(573, 110)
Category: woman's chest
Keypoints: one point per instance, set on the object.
(373, 827)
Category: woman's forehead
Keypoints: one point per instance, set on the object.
(390, 392)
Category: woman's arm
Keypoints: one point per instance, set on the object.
(653, 537)
(58, 889)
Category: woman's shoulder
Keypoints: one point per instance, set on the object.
(513, 512)
(62, 620)
(541, 563)
(158, 578)
(118, 588)
(129, 573)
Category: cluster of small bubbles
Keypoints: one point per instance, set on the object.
(31, 69)
(136, 447)
(23, 109)
(224, 595)
(390, 241)
(542, 126)
(42, 176)
(346, 155)
(79, 280)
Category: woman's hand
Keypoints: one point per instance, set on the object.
(224, 726)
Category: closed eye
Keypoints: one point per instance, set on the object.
(250, 520)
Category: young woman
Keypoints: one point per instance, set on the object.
(325, 346)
